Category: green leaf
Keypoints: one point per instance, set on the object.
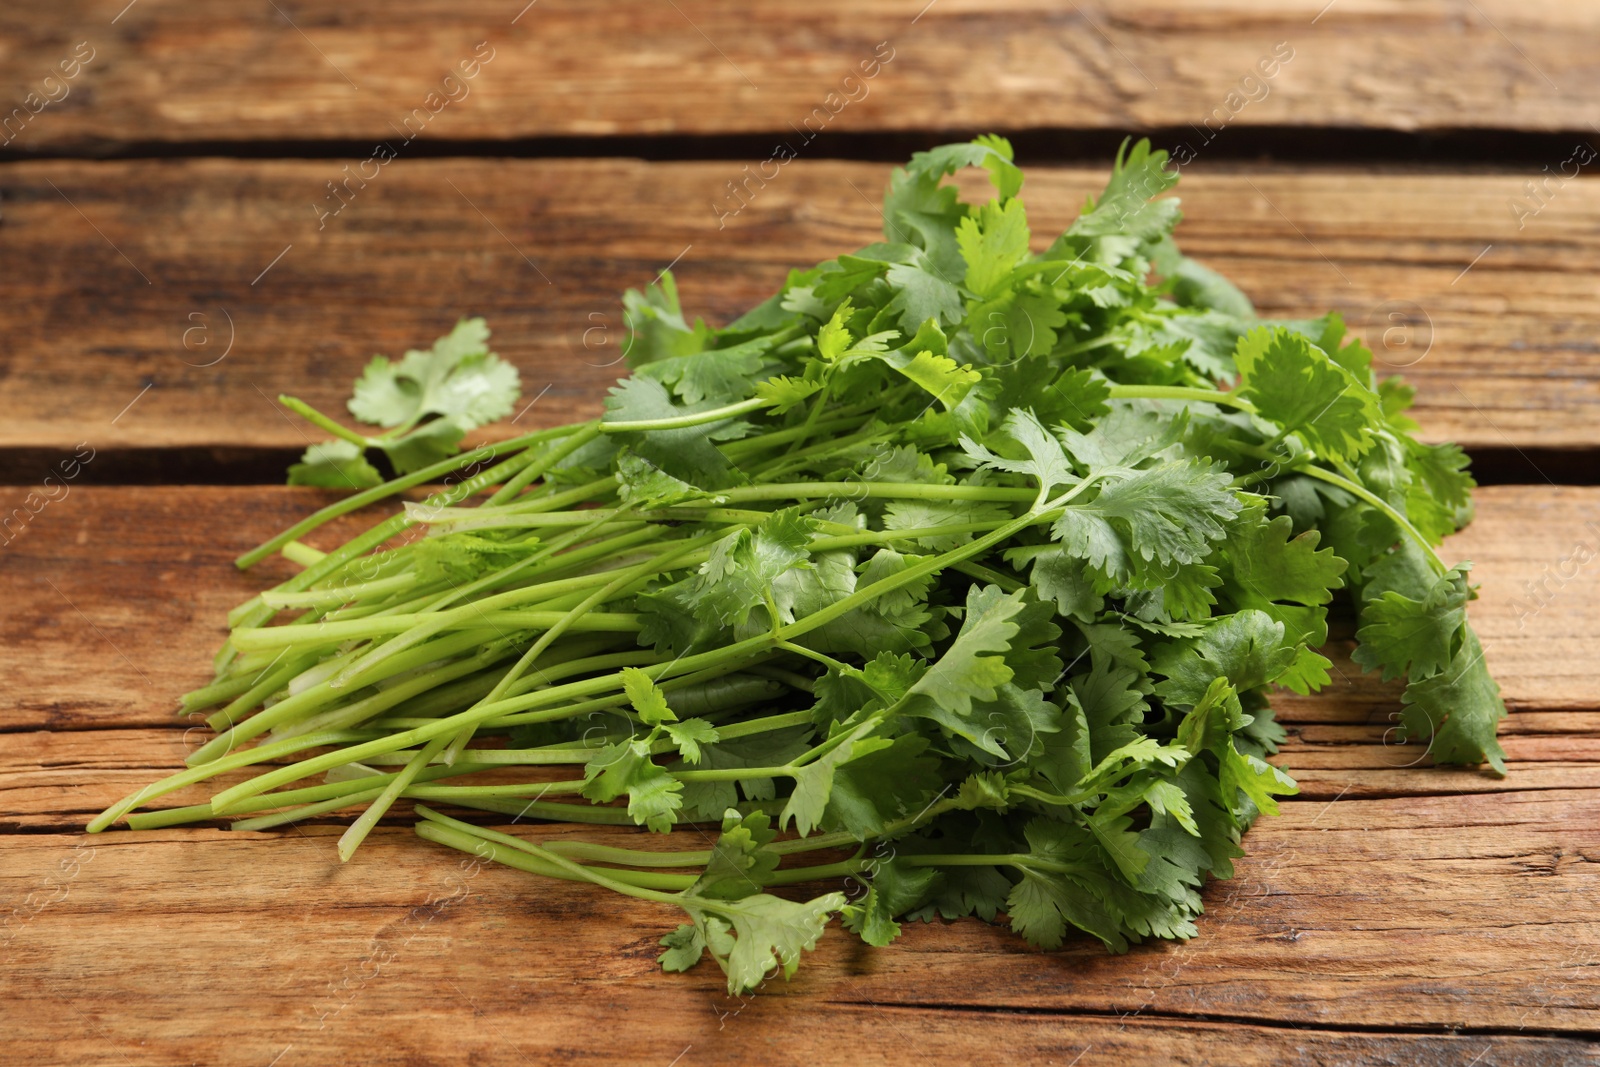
(1127, 207)
(689, 454)
(927, 514)
(1457, 710)
(741, 860)
(646, 697)
(1296, 385)
(785, 393)
(973, 667)
(1057, 575)
(1165, 515)
(1415, 637)
(422, 447)
(708, 800)
(921, 292)
(458, 379)
(940, 376)
(334, 465)
(1046, 464)
(896, 889)
(642, 484)
(1246, 648)
(751, 936)
(625, 768)
(715, 376)
(814, 783)
(874, 788)
(1049, 898)
(689, 735)
(656, 329)
(993, 242)
(743, 566)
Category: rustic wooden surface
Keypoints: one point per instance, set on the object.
(1394, 914)
(295, 70)
(224, 292)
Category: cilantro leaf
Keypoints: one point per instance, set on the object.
(625, 768)
(1416, 637)
(1162, 516)
(334, 465)
(1046, 464)
(993, 242)
(459, 379)
(1457, 710)
(896, 889)
(1296, 385)
(743, 566)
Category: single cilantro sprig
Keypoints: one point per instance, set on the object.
(426, 402)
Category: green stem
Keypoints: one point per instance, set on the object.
(318, 419)
(174, 782)
(397, 485)
(257, 638)
(358, 830)
(1363, 493)
(1181, 392)
(699, 418)
(880, 490)
(498, 844)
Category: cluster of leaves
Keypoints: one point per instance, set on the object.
(1101, 727)
(969, 566)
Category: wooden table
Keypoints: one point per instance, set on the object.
(171, 261)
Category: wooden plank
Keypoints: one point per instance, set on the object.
(210, 71)
(225, 293)
(116, 598)
(1426, 914)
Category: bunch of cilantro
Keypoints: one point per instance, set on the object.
(952, 580)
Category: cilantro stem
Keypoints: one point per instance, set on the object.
(802, 650)
(1361, 492)
(551, 810)
(678, 422)
(1181, 392)
(233, 761)
(318, 419)
(357, 832)
(980, 859)
(585, 850)
(522, 479)
(577, 618)
(255, 638)
(445, 830)
(397, 485)
(882, 490)
(990, 575)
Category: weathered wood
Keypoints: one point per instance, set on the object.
(169, 303)
(212, 71)
(1432, 914)
(116, 598)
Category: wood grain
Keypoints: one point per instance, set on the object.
(213, 71)
(1430, 915)
(167, 303)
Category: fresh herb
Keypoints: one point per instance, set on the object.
(426, 403)
(953, 575)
